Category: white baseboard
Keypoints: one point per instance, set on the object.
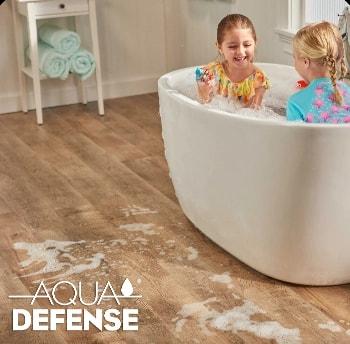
(54, 95)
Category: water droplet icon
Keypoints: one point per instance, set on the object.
(127, 288)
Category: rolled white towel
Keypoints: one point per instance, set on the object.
(82, 63)
(64, 41)
(51, 62)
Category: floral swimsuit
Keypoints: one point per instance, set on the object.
(240, 92)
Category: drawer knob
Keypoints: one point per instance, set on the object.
(62, 6)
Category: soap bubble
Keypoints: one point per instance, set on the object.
(274, 102)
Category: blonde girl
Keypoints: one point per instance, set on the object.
(235, 76)
(318, 53)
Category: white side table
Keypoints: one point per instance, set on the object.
(42, 9)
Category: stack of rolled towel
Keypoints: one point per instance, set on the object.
(60, 53)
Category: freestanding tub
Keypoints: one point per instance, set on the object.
(274, 194)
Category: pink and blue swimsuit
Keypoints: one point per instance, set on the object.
(316, 104)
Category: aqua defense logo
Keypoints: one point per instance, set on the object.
(77, 317)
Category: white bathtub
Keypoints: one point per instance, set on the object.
(274, 194)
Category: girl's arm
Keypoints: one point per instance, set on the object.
(256, 101)
(205, 91)
(293, 112)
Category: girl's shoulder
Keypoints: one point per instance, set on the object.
(345, 90)
(344, 85)
(257, 72)
(260, 78)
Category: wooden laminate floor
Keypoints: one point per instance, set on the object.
(86, 203)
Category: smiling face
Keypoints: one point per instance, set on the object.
(238, 47)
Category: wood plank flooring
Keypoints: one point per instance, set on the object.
(88, 199)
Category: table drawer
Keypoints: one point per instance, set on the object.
(54, 7)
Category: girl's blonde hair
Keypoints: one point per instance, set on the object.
(322, 43)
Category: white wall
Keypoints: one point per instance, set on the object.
(191, 39)
(142, 39)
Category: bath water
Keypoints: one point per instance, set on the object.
(274, 103)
